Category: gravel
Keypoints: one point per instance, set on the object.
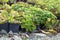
(33, 36)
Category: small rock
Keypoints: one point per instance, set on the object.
(17, 38)
(0, 36)
(39, 34)
(12, 39)
(58, 34)
(15, 33)
(10, 34)
(27, 36)
(3, 32)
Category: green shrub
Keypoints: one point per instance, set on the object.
(28, 16)
(31, 16)
(49, 5)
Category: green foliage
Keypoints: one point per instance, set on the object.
(12, 17)
(0, 6)
(7, 7)
(4, 1)
(31, 16)
(28, 15)
(3, 16)
(50, 5)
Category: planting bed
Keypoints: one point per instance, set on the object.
(39, 19)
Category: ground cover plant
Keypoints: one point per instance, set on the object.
(29, 16)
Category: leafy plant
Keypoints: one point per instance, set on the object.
(6, 7)
(49, 5)
(44, 17)
(12, 16)
(3, 16)
(26, 21)
(31, 16)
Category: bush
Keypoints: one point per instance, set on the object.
(31, 16)
(50, 5)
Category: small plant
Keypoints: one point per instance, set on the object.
(44, 17)
(4, 20)
(3, 16)
(7, 7)
(26, 22)
(12, 16)
(14, 23)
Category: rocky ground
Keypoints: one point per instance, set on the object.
(33, 36)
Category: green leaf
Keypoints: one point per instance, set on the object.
(7, 0)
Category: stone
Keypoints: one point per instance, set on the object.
(39, 34)
(10, 34)
(17, 38)
(3, 32)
